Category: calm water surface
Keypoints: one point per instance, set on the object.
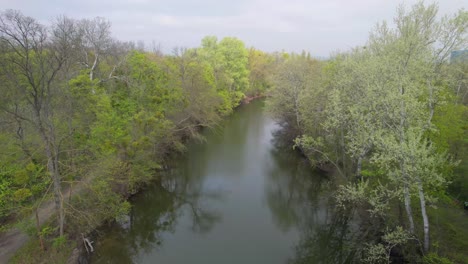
(240, 197)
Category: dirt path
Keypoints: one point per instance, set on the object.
(14, 239)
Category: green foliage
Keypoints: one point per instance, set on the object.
(46, 231)
(97, 204)
(387, 115)
(98, 118)
(261, 68)
(380, 252)
(291, 82)
(235, 61)
(451, 121)
(433, 258)
(59, 242)
(22, 194)
(229, 60)
(349, 196)
(31, 252)
(375, 254)
(20, 186)
(392, 113)
(375, 199)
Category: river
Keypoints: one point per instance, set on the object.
(241, 196)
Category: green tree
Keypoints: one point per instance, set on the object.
(229, 60)
(30, 66)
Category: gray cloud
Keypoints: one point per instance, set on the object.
(320, 27)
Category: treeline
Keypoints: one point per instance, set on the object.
(83, 112)
(390, 118)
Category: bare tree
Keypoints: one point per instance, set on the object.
(30, 64)
(95, 42)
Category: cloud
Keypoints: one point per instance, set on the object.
(318, 26)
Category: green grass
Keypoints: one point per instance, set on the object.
(31, 252)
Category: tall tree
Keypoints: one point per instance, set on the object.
(95, 42)
(30, 65)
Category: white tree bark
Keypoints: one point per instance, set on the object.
(424, 216)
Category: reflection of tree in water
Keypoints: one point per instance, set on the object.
(142, 230)
(188, 194)
(154, 213)
(330, 242)
(295, 193)
(300, 197)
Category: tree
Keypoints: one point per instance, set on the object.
(235, 60)
(412, 64)
(229, 60)
(95, 42)
(199, 96)
(260, 67)
(30, 65)
(381, 102)
(290, 81)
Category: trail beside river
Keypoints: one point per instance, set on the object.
(12, 240)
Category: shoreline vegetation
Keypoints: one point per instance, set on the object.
(87, 121)
(84, 111)
(390, 118)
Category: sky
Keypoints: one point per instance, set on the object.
(319, 27)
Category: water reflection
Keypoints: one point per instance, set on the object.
(330, 242)
(244, 196)
(154, 214)
(144, 229)
(300, 197)
(296, 194)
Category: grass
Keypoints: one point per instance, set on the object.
(31, 252)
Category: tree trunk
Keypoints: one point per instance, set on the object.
(424, 216)
(359, 162)
(58, 185)
(38, 227)
(343, 152)
(404, 175)
(359, 168)
(406, 193)
(91, 71)
(430, 103)
(408, 207)
(52, 167)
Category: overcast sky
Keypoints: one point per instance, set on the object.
(320, 27)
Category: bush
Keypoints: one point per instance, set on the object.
(433, 258)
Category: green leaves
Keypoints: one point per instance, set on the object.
(21, 194)
(386, 113)
(229, 60)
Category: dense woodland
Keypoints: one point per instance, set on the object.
(87, 121)
(390, 118)
(84, 113)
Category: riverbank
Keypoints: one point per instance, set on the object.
(248, 99)
(31, 249)
(13, 240)
(230, 199)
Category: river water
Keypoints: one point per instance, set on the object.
(241, 196)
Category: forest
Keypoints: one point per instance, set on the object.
(87, 121)
(390, 118)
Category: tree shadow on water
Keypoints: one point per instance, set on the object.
(154, 215)
(332, 242)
